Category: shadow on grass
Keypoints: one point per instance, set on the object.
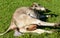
(43, 15)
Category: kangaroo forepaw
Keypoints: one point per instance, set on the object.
(57, 25)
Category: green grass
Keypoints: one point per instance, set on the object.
(7, 8)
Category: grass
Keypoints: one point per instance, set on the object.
(7, 8)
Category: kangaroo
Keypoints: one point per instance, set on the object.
(23, 17)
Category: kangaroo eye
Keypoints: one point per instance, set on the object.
(35, 6)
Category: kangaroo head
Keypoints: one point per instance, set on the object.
(38, 7)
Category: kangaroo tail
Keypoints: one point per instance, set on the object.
(5, 32)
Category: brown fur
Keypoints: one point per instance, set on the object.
(32, 27)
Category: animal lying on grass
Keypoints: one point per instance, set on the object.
(25, 20)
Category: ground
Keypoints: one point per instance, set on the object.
(7, 8)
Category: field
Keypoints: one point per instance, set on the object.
(7, 8)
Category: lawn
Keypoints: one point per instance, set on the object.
(7, 8)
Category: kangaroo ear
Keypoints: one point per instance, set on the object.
(34, 4)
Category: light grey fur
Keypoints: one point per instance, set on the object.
(25, 16)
